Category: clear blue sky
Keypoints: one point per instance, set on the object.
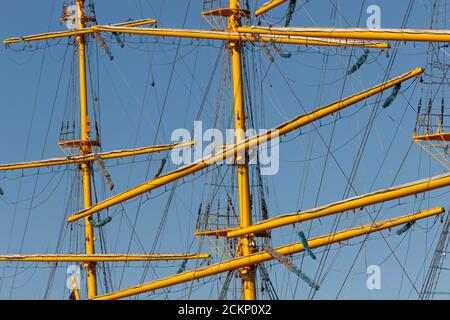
(31, 121)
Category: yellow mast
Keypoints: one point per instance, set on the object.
(246, 243)
(85, 148)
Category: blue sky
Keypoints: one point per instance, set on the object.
(34, 106)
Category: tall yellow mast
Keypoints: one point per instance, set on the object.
(246, 243)
(85, 148)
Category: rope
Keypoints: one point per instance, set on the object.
(104, 46)
(268, 53)
(105, 173)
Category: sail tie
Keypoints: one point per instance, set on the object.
(392, 97)
(101, 222)
(405, 228)
(290, 12)
(161, 168)
(361, 60)
(182, 266)
(306, 245)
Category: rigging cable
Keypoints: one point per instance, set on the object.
(362, 147)
(149, 264)
(43, 149)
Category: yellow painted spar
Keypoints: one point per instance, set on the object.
(283, 129)
(103, 257)
(441, 136)
(200, 34)
(346, 205)
(268, 6)
(73, 33)
(91, 157)
(263, 256)
(354, 33)
(236, 36)
(136, 23)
